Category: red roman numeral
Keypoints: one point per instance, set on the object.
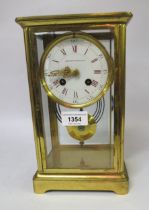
(56, 83)
(63, 51)
(97, 71)
(87, 91)
(64, 91)
(75, 97)
(74, 48)
(94, 83)
(75, 94)
(55, 61)
(86, 51)
(94, 60)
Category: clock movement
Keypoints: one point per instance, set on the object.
(76, 74)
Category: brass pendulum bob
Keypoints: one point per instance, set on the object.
(83, 132)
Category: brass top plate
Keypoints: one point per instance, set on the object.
(93, 18)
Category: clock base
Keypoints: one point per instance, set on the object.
(117, 183)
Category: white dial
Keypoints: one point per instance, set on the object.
(75, 70)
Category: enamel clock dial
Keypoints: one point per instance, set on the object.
(76, 70)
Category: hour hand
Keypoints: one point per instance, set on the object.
(68, 72)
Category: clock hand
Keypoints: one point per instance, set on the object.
(65, 72)
(68, 72)
(75, 72)
(55, 73)
(61, 72)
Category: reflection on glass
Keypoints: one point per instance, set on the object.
(62, 149)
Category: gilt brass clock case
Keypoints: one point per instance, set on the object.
(62, 162)
(102, 49)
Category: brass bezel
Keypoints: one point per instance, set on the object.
(95, 42)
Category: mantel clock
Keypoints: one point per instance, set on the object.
(76, 74)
